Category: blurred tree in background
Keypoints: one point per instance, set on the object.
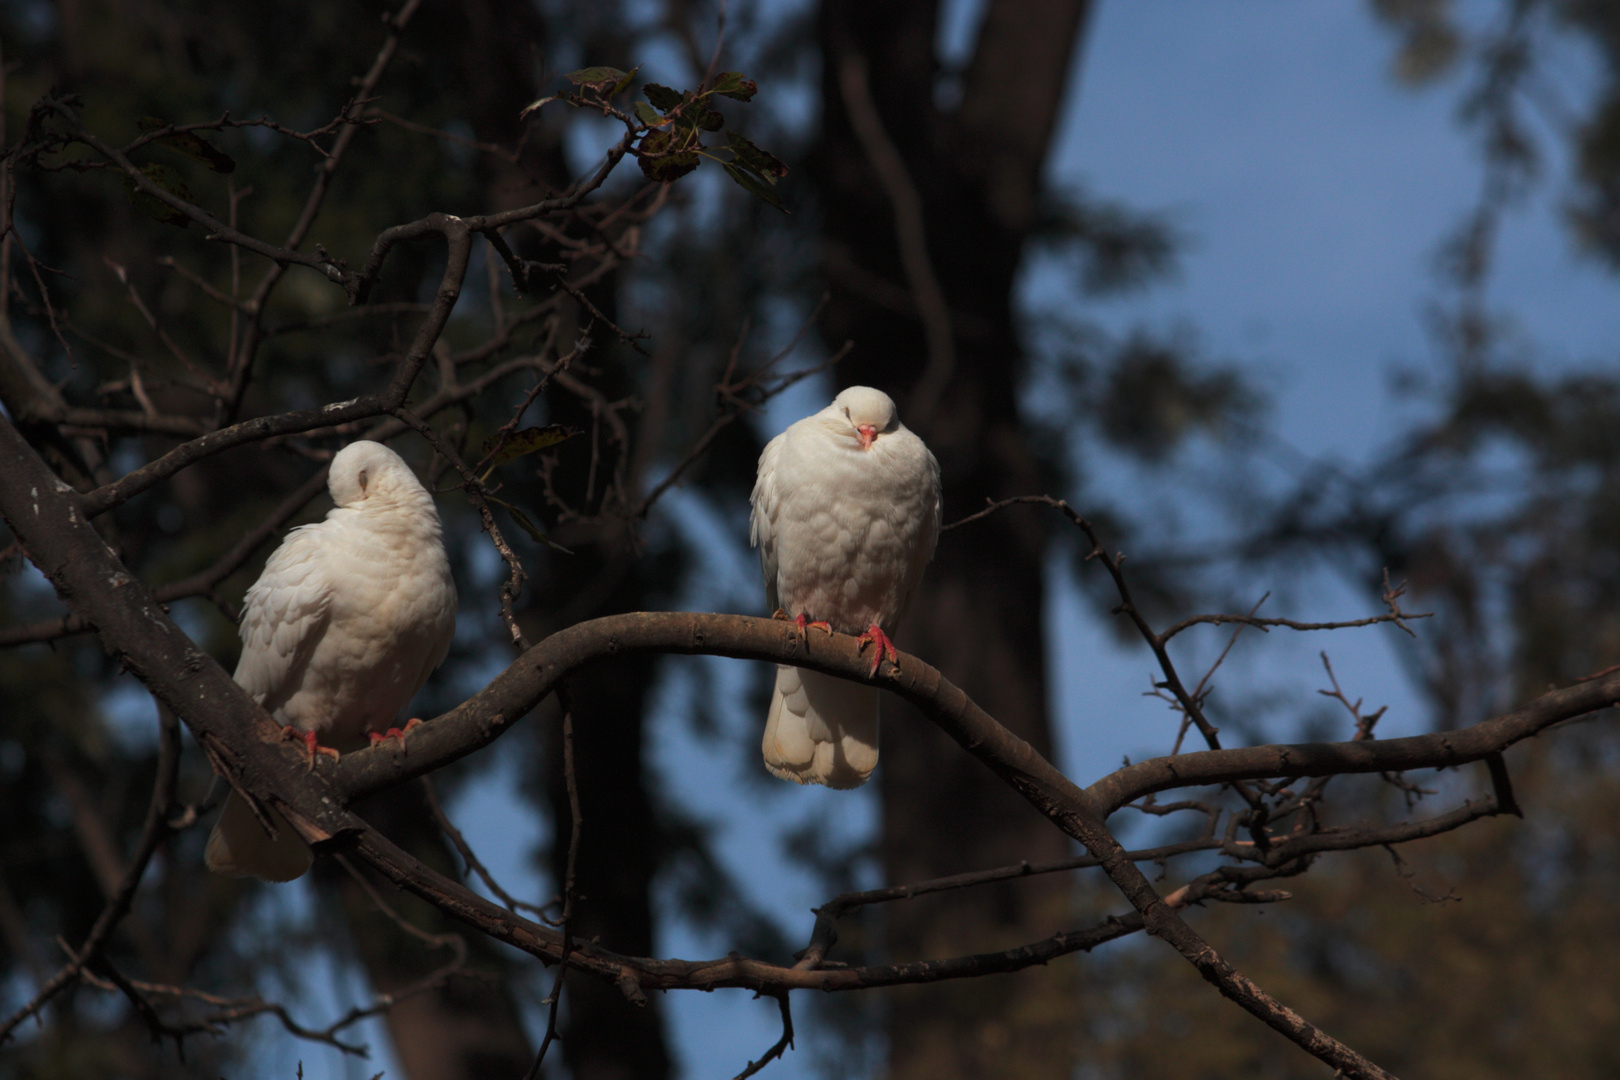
(1501, 511)
(918, 191)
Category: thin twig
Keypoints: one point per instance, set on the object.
(778, 1048)
(155, 828)
(554, 1001)
(475, 494)
(473, 864)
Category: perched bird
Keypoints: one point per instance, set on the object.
(845, 515)
(341, 630)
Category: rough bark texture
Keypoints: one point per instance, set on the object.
(977, 175)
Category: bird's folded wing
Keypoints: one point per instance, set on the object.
(762, 522)
(285, 614)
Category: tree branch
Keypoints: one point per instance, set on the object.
(45, 515)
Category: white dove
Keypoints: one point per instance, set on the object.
(846, 512)
(341, 630)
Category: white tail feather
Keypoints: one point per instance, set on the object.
(239, 846)
(821, 730)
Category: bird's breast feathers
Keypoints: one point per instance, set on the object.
(844, 531)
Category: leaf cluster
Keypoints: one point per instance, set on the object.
(674, 122)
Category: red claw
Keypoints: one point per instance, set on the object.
(884, 650)
(394, 733)
(803, 624)
(308, 739)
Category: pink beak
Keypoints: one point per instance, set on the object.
(866, 433)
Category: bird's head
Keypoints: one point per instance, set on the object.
(865, 413)
(369, 470)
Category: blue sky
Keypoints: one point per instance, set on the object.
(1315, 192)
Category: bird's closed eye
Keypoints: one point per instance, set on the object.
(364, 477)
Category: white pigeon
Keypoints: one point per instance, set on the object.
(341, 630)
(846, 514)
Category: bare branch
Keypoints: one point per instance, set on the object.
(570, 892)
(473, 864)
(778, 1048)
(155, 828)
(134, 629)
(475, 493)
(733, 405)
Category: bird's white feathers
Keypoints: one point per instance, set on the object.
(846, 512)
(821, 729)
(348, 619)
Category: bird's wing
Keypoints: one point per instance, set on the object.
(440, 619)
(285, 614)
(932, 510)
(762, 522)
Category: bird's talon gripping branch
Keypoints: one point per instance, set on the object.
(394, 733)
(293, 734)
(884, 648)
(804, 625)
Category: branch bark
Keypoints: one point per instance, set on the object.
(47, 517)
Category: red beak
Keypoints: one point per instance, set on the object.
(866, 433)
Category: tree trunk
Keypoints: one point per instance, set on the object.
(606, 1036)
(469, 1027)
(976, 177)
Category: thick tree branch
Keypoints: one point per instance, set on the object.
(1447, 748)
(45, 515)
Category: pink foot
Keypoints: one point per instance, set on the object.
(884, 647)
(293, 734)
(803, 623)
(394, 733)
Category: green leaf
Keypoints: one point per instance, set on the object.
(731, 84)
(629, 77)
(191, 145)
(534, 531)
(757, 160)
(660, 161)
(712, 121)
(647, 114)
(526, 442)
(596, 76)
(153, 207)
(662, 97)
(754, 185)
